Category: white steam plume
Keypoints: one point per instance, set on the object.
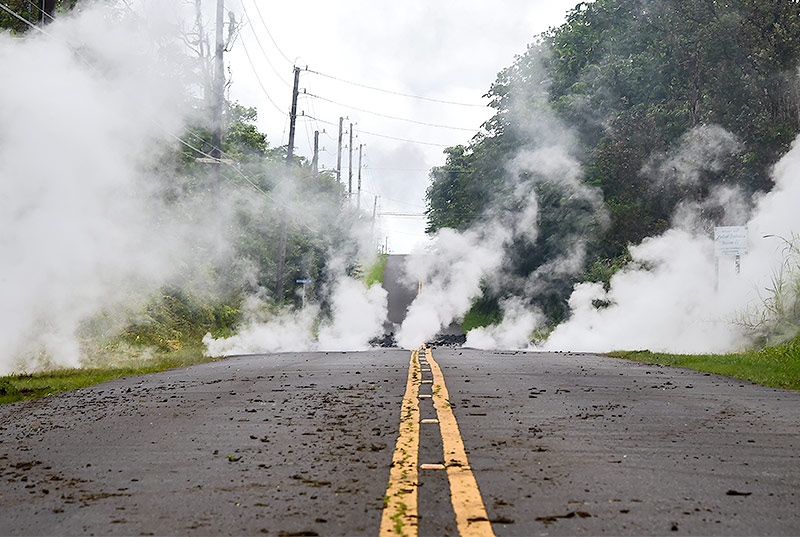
(669, 303)
(357, 315)
(93, 220)
(83, 109)
(514, 332)
(463, 262)
(451, 276)
(703, 148)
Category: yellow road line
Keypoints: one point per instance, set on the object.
(400, 510)
(470, 511)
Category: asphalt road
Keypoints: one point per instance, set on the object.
(301, 444)
(400, 292)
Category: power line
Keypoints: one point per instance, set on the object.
(264, 52)
(405, 215)
(375, 193)
(409, 95)
(388, 116)
(255, 3)
(258, 78)
(401, 139)
(410, 170)
(43, 12)
(377, 134)
(20, 17)
(177, 138)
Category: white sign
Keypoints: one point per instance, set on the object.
(730, 240)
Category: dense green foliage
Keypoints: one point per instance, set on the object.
(629, 81)
(28, 10)
(778, 366)
(374, 273)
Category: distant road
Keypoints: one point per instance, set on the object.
(302, 444)
(401, 292)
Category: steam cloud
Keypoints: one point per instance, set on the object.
(461, 263)
(453, 275)
(357, 316)
(83, 109)
(673, 305)
(92, 223)
(674, 296)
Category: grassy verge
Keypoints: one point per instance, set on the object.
(16, 388)
(482, 313)
(777, 367)
(374, 273)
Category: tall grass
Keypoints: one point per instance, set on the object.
(776, 319)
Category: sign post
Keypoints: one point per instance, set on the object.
(730, 241)
(304, 282)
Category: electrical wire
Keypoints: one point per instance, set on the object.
(388, 116)
(402, 139)
(255, 3)
(21, 18)
(374, 193)
(180, 140)
(43, 12)
(260, 83)
(263, 51)
(409, 95)
(375, 133)
(405, 215)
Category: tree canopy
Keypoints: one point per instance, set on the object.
(633, 81)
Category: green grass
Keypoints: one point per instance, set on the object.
(374, 273)
(16, 388)
(482, 313)
(777, 367)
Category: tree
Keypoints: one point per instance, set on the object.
(631, 78)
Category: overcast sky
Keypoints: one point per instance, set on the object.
(449, 50)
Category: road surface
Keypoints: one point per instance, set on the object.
(302, 444)
(402, 289)
(401, 292)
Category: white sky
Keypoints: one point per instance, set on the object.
(442, 49)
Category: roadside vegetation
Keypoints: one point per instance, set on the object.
(374, 273)
(15, 388)
(629, 79)
(777, 366)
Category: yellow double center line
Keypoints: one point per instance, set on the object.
(400, 512)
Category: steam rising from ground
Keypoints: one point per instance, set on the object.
(451, 280)
(82, 110)
(461, 263)
(672, 297)
(669, 302)
(93, 220)
(513, 332)
(357, 316)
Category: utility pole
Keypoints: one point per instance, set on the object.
(289, 159)
(217, 94)
(350, 166)
(374, 213)
(293, 116)
(315, 160)
(339, 154)
(358, 199)
(46, 9)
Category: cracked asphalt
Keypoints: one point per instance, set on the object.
(300, 444)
